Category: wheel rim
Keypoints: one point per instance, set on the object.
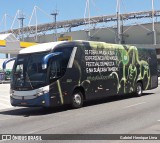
(77, 99)
(139, 90)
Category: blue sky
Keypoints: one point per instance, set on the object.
(69, 9)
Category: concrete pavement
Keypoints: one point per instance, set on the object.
(4, 96)
(115, 115)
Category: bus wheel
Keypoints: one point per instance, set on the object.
(139, 89)
(77, 99)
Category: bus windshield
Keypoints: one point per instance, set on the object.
(28, 73)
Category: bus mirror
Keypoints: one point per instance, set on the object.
(7, 61)
(47, 57)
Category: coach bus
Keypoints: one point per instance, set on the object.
(71, 72)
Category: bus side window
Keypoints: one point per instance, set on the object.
(53, 70)
(66, 54)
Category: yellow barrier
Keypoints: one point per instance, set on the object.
(27, 44)
(65, 38)
(2, 43)
(22, 44)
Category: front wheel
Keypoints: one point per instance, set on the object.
(77, 99)
(139, 89)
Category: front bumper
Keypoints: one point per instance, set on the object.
(38, 101)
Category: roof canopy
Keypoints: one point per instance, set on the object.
(10, 44)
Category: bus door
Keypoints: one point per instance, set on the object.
(61, 78)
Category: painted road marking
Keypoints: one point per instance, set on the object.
(135, 105)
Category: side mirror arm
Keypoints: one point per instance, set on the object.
(7, 61)
(47, 57)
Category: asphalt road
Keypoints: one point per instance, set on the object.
(114, 115)
(4, 96)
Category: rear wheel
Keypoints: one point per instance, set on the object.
(139, 89)
(77, 99)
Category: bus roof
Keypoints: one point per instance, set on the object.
(41, 47)
(50, 46)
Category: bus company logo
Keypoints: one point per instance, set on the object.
(6, 137)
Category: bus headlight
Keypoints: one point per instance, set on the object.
(11, 92)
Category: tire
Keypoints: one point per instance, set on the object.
(139, 89)
(77, 100)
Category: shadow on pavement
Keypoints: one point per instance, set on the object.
(33, 111)
(113, 99)
(36, 111)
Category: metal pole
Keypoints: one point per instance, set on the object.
(153, 26)
(21, 19)
(36, 23)
(89, 20)
(5, 22)
(55, 20)
(55, 13)
(122, 30)
(118, 23)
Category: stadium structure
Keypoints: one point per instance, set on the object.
(117, 28)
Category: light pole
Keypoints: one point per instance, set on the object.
(54, 14)
(118, 39)
(153, 25)
(21, 19)
(87, 19)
